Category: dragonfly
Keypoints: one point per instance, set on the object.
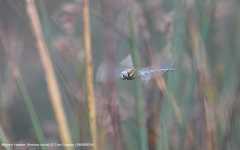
(127, 71)
(131, 74)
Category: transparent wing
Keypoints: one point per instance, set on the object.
(103, 73)
(148, 76)
(127, 62)
(166, 57)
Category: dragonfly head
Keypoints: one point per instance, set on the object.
(124, 75)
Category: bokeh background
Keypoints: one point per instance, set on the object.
(195, 107)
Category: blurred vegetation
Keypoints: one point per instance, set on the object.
(195, 107)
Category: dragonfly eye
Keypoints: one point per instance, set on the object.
(123, 75)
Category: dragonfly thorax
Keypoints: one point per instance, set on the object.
(128, 74)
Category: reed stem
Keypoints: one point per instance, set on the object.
(89, 67)
(140, 109)
(49, 73)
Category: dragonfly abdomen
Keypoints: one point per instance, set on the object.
(141, 73)
(165, 70)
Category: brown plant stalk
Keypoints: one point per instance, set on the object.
(89, 67)
(49, 73)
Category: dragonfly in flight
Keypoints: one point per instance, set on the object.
(127, 71)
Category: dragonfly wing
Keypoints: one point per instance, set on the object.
(146, 76)
(150, 75)
(127, 62)
(166, 57)
(103, 73)
(118, 71)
